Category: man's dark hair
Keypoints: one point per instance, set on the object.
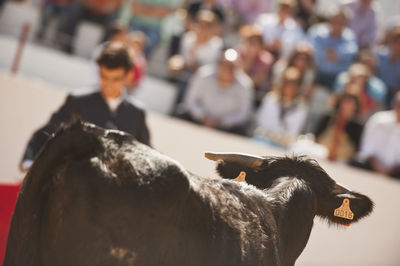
(115, 55)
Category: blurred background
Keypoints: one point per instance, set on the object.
(315, 77)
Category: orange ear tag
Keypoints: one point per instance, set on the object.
(344, 210)
(241, 177)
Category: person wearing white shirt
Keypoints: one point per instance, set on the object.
(221, 97)
(199, 47)
(380, 143)
(283, 113)
(202, 45)
(281, 32)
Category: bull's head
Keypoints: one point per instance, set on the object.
(334, 202)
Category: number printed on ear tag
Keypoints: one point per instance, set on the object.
(344, 210)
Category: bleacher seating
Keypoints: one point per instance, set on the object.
(14, 15)
(87, 38)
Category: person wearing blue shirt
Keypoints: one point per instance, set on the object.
(335, 47)
(375, 88)
(389, 64)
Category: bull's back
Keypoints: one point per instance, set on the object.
(93, 198)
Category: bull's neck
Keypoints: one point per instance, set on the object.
(294, 207)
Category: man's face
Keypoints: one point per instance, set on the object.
(289, 90)
(205, 30)
(284, 10)
(366, 3)
(252, 46)
(338, 23)
(348, 107)
(112, 81)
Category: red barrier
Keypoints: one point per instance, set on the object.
(8, 198)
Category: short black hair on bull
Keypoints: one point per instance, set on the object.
(311, 173)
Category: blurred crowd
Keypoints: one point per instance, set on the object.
(324, 85)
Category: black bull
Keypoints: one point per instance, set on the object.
(98, 197)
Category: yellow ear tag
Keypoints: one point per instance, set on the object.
(344, 210)
(241, 177)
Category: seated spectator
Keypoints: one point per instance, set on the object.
(147, 18)
(368, 58)
(49, 9)
(380, 143)
(305, 13)
(389, 64)
(190, 18)
(370, 90)
(364, 20)
(302, 59)
(281, 32)
(106, 108)
(255, 61)
(99, 11)
(340, 130)
(199, 47)
(283, 112)
(335, 47)
(220, 98)
(212, 5)
(202, 45)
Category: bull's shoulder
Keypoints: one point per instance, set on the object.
(149, 169)
(229, 197)
(233, 212)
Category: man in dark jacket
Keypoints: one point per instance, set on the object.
(106, 108)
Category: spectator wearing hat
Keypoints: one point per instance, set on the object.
(370, 90)
(335, 47)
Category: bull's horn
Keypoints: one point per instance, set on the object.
(240, 158)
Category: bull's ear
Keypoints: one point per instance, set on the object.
(345, 207)
(229, 170)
